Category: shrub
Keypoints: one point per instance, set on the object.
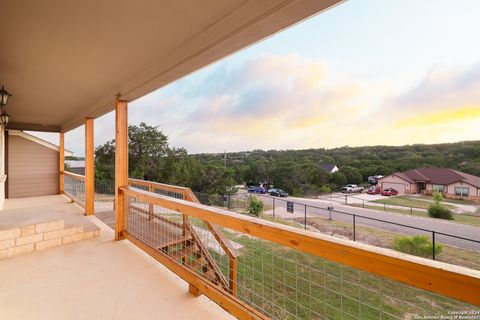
(255, 207)
(439, 212)
(417, 245)
(436, 210)
(325, 189)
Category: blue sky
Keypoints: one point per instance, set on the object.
(365, 72)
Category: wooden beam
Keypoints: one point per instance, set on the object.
(448, 280)
(33, 127)
(121, 165)
(61, 161)
(89, 168)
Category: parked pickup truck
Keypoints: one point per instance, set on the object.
(351, 188)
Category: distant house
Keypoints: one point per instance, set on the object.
(76, 166)
(452, 183)
(329, 167)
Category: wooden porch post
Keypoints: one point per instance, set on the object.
(61, 162)
(89, 168)
(121, 165)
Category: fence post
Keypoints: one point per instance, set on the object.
(150, 205)
(433, 245)
(346, 199)
(273, 208)
(354, 231)
(305, 217)
(329, 212)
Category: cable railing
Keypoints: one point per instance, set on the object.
(74, 187)
(460, 249)
(284, 272)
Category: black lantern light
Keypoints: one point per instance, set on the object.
(4, 95)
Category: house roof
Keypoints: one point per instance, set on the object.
(37, 140)
(76, 163)
(442, 176)
(328, 166)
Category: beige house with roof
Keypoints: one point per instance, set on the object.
(451, 183)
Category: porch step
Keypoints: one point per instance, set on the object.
(21, 234)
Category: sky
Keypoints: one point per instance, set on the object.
(366, 72)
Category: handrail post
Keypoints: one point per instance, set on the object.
(121, 166)
(89, 168)
(232, 275)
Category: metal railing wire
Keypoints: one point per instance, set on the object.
(283, 283)
(74, 187)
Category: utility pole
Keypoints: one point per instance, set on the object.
(225, 158)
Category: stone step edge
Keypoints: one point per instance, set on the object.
(26, 239)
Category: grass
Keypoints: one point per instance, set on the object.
(453, 255)
(471, 220)
(287, 284)
(455, 201)
(407, 201)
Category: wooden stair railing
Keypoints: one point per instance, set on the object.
(190, 239)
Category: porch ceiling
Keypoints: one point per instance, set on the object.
(66, 60)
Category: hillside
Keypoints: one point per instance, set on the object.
(280, 166)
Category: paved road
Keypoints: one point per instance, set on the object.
(316, 207)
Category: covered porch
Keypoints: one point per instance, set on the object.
(236, 265)
(90, 279)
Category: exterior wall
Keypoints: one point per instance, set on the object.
(2, 166)
(414, 188)
(472, 192)
(397, 183)
(449, 191)
(32, 168)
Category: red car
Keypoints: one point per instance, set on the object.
(389, 192)
(374, 190)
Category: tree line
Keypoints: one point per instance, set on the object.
(296, 171)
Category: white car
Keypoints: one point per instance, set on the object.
(351, 188)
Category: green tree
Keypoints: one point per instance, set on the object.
(436, 210)
(255, 207)
(352, 174)
(339, 179)
(416, 245)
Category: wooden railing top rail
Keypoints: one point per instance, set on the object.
(73, 175)
(163, 186)
(448, 280)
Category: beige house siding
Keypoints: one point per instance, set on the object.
(473, 191)
(32, 168)
(392, 181)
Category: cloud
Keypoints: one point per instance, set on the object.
(289, 102)
(268, 102)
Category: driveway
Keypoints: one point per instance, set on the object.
(317, 207)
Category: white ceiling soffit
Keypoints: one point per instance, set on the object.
(66, 60)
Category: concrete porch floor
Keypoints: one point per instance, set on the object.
(94, 279)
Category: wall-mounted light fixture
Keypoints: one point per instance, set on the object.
(4, 116)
